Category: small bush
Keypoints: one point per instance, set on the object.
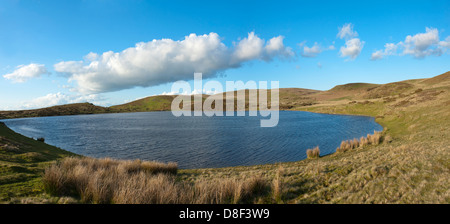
(41, 139)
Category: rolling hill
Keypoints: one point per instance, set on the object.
(410, 165)
(68, 109)
(290, 98)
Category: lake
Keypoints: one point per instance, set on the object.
(196, 142)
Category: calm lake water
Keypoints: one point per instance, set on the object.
(196, 142)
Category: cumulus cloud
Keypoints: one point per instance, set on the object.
(347, 32)
(53, 99)
(423, 44)
(353, 45)
(419, 46)
(275, 47)
(24, 73)
(165, 60)
(377, 55)
(352, 48)
(389, 49)
(445, 44)
(311, 52)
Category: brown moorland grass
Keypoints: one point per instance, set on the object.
(373, 139)
(313, 153)
(277, 185)
(142, 182)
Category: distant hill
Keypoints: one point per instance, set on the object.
(290, 98)
(69, 109)
(409, 163)
(152, 103)
(438, 79)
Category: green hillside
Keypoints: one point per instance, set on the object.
(410, 164)
(22, 162)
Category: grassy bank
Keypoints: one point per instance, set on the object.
(409, 164)
(22, 162)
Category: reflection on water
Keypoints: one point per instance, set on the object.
(196, 142)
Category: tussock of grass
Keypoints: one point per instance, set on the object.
(313, 153)
(225, 191)
(277, 185)
(347, 145)
(141, 182)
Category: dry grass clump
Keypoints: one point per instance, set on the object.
(97, 180)
(387, 139)
(374, 139)
(225, 191)
(313, 153)
(278, 185)
(141, 182)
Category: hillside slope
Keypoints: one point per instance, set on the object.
(411, 165)
(69, 109)
(22, 162)
(289, 98)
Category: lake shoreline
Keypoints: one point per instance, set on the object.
(290, 116)
(410, 168)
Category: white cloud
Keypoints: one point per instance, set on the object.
(331, 47)
(53, 99)
(419, 46)
(275, 47)
(311, 52)
(346, 32)
(24, 73)
(302, 44)
(389, 49)
(353, 45)
(423, 44)
(352, 49)
(377, 55)
(165, 60)
(446, 43)
(316, 49)
(319, 65)
(249, 48)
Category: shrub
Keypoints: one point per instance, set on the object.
(41, 139)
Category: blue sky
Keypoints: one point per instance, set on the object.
(57, 52)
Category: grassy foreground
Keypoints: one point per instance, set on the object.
(22, 162)
(411, 164)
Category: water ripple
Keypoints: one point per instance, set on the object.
(196, 142)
